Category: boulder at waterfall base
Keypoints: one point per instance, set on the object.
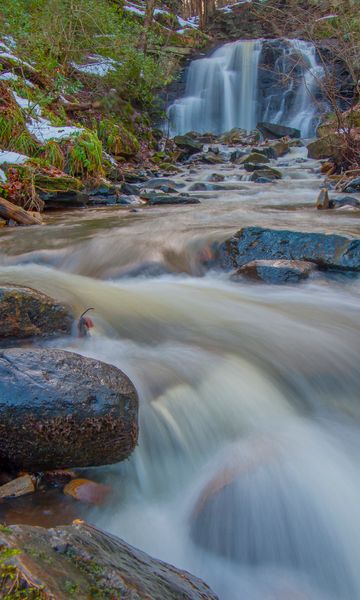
(82, 562)
(59, 409)
(275, 131)
(25, 313)
(327, 251)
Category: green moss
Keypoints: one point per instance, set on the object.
(4, 529)
(85, 156)
(53, 154)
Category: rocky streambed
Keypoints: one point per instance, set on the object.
(216, 360)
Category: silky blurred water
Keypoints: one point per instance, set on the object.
(246, 472)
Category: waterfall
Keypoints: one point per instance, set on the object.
(220, 91)
(244, 82)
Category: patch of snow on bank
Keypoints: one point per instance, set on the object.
(229, 7)
(8, 77)
(14, 58)
(97, 65)
(135, 9)
(40, 128)
(12, 158)
(43, 131)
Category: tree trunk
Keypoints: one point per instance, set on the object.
(8, 210)
(149, 15)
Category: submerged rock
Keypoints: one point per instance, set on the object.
(25, 313)
(153, 199)
(59, 409)
(328, 251)
(275, 271)
(275, 131)
(83, 562)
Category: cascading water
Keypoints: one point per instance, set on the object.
(220, 91)
(245, 82)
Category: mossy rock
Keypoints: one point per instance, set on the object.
(327, 146)
(82, 562)
(254, 158)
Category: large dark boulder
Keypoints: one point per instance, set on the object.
(331, 251)
(275, 131)
(188, 144)
(82, 562)
(27, 313)
(59, 409)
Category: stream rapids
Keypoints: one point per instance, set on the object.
(257, 382)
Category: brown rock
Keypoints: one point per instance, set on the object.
(323, 200)
(18, 487)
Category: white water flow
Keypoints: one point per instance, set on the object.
(247, 470)
(237, 87)
(220, 91)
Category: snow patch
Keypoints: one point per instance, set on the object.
(97, 65)
(40, 128)
(134, 9)
(12, 158)
(8, 77)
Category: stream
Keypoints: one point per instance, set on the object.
(246, 473)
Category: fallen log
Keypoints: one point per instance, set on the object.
(8, 210)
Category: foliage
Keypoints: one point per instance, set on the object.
(85, 155)
(117, 140)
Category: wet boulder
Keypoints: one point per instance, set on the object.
(265, 173)
(275, 271)
(328, 251)
(80, 561)
(280, 148)
(26, 313)
(275, 131)
(59, 409)
(188, 145)
(254, 158)
(352, 186)
(156, 199)
(239, 136)
(345, 201)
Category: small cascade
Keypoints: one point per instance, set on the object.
(249, 81)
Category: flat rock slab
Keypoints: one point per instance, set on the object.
(276, 271)
(83, 562)
(59, 409)
(25, 313)
(327, 251)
